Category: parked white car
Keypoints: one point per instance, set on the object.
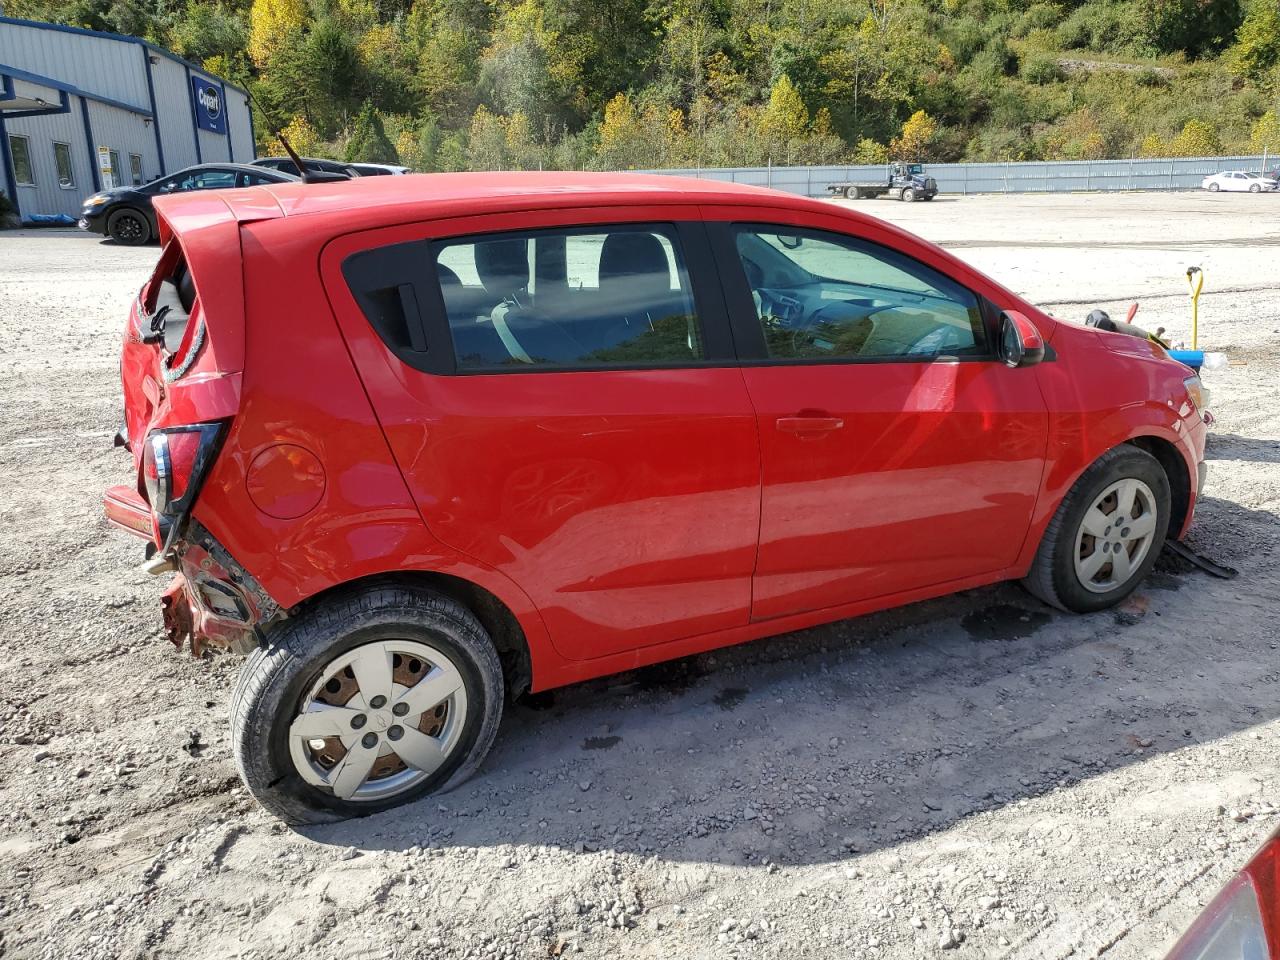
(1239, 181)
(378, 169)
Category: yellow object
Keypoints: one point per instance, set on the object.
(1195, 280)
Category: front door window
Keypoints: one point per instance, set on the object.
(828, 297)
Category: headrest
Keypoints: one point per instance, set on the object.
(637, 258)
(503, 266)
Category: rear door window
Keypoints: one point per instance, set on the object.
(571, 298)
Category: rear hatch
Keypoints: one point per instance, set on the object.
(182, 360)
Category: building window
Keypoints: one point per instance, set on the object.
(135, 169)
(62, 160)
(20, 151)
(117, 173)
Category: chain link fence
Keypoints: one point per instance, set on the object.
(1181, 173)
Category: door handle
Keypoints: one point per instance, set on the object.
(809, 424)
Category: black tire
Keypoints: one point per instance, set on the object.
(1053, 577)
(908, 195)
(845, 193)
(1255, 188)
(276, 677)
(129, 227)
(1214, 188)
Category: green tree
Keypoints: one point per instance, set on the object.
(1197, 139)
(519, 72)
(301, 136)
(1257, 47)
(447, 72)
(1194, 27)
(487, 141)
(271, 22)
(317, 74)
(916, 137)
(601, 48)
(1264, 135)
(368, 142)
(203, 31)
(387, 63)
(868, 151)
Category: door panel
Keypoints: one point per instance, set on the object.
(931, 476)
(624, 502)
(896, 453)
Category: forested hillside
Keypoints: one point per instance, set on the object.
(508, 84)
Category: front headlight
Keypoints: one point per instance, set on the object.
(1197, 393)
(95, 201)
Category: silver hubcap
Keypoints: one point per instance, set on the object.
(1115, 535)
(381, 719)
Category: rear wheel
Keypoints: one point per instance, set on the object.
(1106, 534)
(129, 227)
(366, 702)
(1214, 188)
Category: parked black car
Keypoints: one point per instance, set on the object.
(125, 214)
(313, 164)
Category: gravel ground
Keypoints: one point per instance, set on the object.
(970, 777)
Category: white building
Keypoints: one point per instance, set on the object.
(81, 111)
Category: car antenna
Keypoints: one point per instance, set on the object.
(303, 172)
(307, 176)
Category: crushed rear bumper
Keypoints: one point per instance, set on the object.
(212, 601)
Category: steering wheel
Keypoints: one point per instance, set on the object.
(849, 324)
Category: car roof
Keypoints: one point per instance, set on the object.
(374, 201)
(368, 203)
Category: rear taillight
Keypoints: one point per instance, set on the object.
(1240, 923)
(175, 461)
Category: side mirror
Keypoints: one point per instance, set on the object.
(1020, 342)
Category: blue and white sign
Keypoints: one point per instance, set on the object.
(211, 111)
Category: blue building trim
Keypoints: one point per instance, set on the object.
(13, 73)
(93, 151)
(6, 161)
(124, 38)
(155, 115)
(195, 121)
(6, 84)
(226, 119)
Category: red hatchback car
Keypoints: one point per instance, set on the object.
(419, 442)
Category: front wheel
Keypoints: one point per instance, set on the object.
(129, 227)
(1254, 188)
(366, 702)
(1106, 534)
(908, 195)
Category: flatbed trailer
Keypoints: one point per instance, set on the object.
(905, 181)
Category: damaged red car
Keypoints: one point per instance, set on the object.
(419, 444)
